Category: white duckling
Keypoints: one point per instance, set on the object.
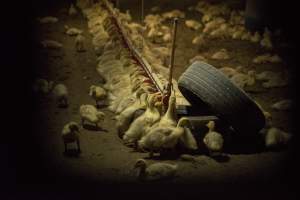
(42, 86)
(70, 134)
(188, 140)
(285, 104)
(256, 37)
(51, 44)
(246, 36)
(72, 31)
(230, 72)
(242, 80)
(72, 10)
(206, 18)
(127, 115)
(266, 75)
(170, 117)
(155, 9)
(265, 58)
(221, 32)
(213, 140)
(163, 137)
(275, 137)
(47, 20)
(212, 25)
(173, 14)
(61, 93)
(199, 41)
(198, 58)
(156, 171)
(193, 24)
(142, 124)
(266, 41)
(91, 114)
(79, 43)
(237, 33)
(131, 99)
(221, 55)
(97, 93)
(276, 81)
(167, 37)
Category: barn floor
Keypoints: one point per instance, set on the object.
(104, 159)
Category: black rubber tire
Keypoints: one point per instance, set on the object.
(204, 85)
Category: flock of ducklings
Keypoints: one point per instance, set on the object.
(141, 121)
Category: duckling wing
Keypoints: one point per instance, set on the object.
(188, 139)
(155, 139)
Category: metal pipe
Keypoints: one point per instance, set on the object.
(143, 63)
(175, 22)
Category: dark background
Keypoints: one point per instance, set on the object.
(17, 140)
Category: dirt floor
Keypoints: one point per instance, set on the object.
(104, 158)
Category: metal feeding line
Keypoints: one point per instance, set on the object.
(136, 55)
(141, 60)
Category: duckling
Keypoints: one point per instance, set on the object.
(42, 86)
(285, 104)
(192, 24)
(137, 27)
(213, 24)
(167, 37)
(79, 43)
(242, 80)
(155, 9)
(97, 93)
(267, 115)
(173, 14)
(72, 31)
(265, 58)
(143, 123)
(199, 41)
(130, 99)
(198, 58)
(276, 138)
(220, 55)
(266, 41)
(70, 134)
(170, 117)
(230, 72)
(156, 171)
(213, 140)
(72, 10)
(275, 59)
(255, 38)
(91, 114)
(266, 75)
(276, 81)
(61, 93)
(125, 118)
(51, 44)
(237, 34)
(48, 19)
(206, 18)
(246, 36)
(163, 137)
